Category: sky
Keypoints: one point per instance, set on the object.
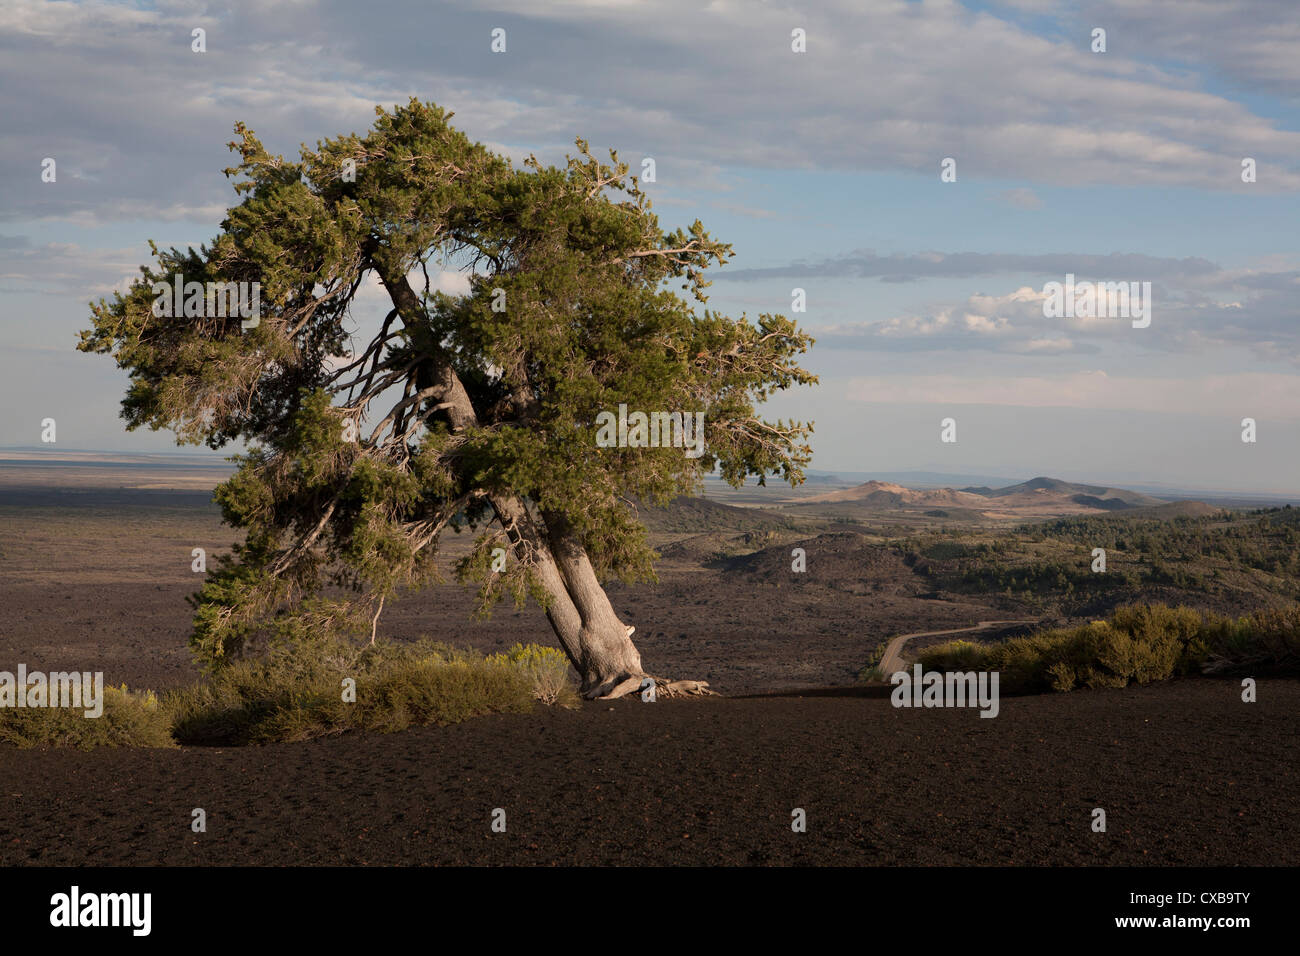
(823, 168)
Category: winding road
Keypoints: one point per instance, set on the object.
(892, 660)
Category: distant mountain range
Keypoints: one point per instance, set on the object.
(1038, 495)
(921, 480)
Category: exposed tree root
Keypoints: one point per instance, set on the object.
(685, 688)
(632, 683)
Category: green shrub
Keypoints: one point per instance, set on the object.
(871, 671)
(297, 693)
(1062, 676)
(546, 668)
(1264, 641)
(130, 719)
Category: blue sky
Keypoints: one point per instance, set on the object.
(822, 168)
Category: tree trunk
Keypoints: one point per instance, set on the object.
(597, 643)
(610, 664)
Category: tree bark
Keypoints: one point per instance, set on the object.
(611, 664)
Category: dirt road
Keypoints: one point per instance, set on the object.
(892, 660)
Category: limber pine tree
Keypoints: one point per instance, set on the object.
(474, 410)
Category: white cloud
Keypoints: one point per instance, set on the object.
(888, 86)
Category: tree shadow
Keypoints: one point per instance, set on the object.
(872, 691)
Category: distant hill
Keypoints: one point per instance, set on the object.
(697, 515)
(1038, 496)
(889, 495)
(1176, 509)
(843, 560)
(1038, 490)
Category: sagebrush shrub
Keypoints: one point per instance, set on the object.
(546, 668)
(130, 719)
